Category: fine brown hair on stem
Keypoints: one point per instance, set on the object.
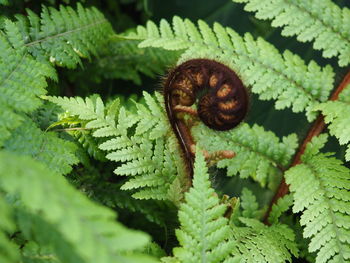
(217, 91)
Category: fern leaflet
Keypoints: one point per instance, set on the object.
(204, 233)
(140, 144)
(259, 243)
(254, 155)
(249, 205)
(63, 36)
(55, 153)
(320, 187)
(320, 21)
(337, 115)
(282, 205)
(22, 79)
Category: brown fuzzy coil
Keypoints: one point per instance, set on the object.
(222, 99)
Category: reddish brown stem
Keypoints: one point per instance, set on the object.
(315, 130)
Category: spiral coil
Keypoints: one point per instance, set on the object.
(217, 91)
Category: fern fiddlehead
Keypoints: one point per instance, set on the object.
(222, 101)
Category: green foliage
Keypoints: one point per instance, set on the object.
(204, 233)
(55, 153)
(89, 144)
(254, 155)
(322, 22)
(123, 59)
(29, 44)
(249, 205)
(321, 187)
(63, 36)
(22, 79)
(337, 115)
(45, 115)
(138, 143)
(260, 243)
(8, 251)
(34, 253)
(285, 78)
(282, 205)
(51, 211)
(59, 143)
(153, 210)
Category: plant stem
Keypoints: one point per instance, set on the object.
(316, 128)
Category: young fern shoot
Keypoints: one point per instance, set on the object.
(222, 102)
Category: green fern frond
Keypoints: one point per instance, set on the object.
(55, 153)
(147, 154)
(321, 187)
(91, 110)
(259, 154)
(155, 211)
(64, 36)
(337, 115)
(260, 243)
(139, 141)
(320, 21)
(52, 211)
(154, 250)
(249, 205)
(123, 59)
(153, 121)
(151, 165)
(204, 232)
(282, 205)
(9, 120)
(92, 115)
(22, 79)
(46, 114)
(89, 143)
(285, 78)
(8, 251)
(58, 36)
(32, 252)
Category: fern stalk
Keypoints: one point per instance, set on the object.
(315, 130)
